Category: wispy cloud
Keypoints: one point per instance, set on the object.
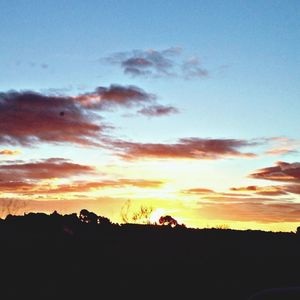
(158, 63)
(20, 171)
(261, 190)
(158, 110)
(38, 188)
(255, 211)
(283, 146)
(270, 204)
(189, 148)
(198, 191)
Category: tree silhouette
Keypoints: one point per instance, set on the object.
(168, 221)
(89, 217)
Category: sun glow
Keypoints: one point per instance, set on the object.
(156, 214)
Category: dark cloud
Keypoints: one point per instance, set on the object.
(158, 110)
(190, 148)
(283, 171)
(28, 118)
(158, 63)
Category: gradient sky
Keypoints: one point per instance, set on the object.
(191, 107)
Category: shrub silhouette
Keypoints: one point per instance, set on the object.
(139, 216)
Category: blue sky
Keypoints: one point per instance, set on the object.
(250, 50)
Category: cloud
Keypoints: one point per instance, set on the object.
(36, 178)
(257, 204)
(292, 188)
(104, 98)
(289, 173)
(28, 118)
(158, 110)
(38, 188)
(193, 69)
(188, 148)
(76, 187)
(283, 146)
(158, 63)
(20, 172)
(283, 171)
(261, 190)
(198, 191)
(271, 207)
(9, 152)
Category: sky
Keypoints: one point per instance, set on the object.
(188, 107)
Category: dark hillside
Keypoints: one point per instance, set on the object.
(64, 257)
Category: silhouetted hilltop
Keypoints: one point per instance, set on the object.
(87, 256)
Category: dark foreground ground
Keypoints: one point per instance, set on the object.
(46, 257)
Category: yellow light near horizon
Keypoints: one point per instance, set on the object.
(155, 215)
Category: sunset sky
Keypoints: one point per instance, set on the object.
(190, 107)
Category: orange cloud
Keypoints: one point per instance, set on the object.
(29, 178)
(198, 191)
(9, 152)
(265, 190)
